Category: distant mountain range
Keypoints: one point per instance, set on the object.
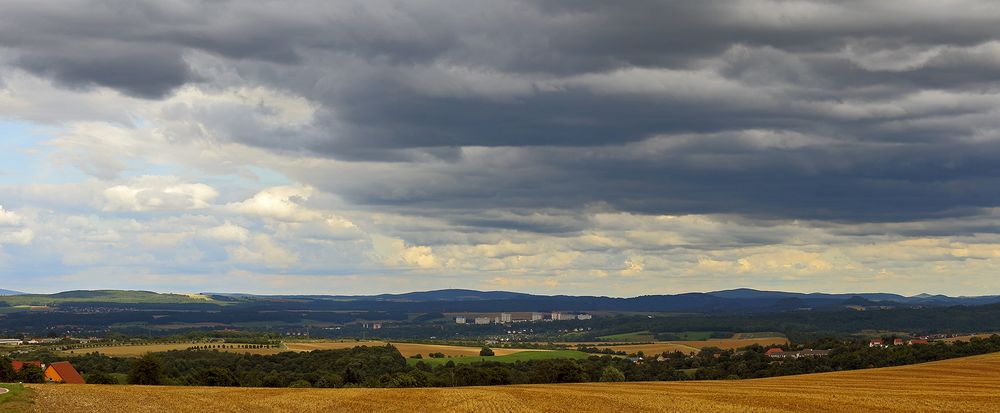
(10, 292)
(455, 300)
(738, 300)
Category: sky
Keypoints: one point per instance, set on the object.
(555, 147)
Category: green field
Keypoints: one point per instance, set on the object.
(764, 334)
(693, 335)
(633, 337)
(510, 358)
(19, 399)
(105, 296)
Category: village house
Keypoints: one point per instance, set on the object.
(876, 342)
(778, 353)
(62, 372)
(897, 342)
(917, 341)
(18, 365)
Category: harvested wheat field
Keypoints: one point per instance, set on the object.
(969, 384)
(136, 351)
(735, 343)
(653, 348)
(406, 349)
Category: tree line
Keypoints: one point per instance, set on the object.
(384, 366)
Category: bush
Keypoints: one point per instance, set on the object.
(300, 384)
(612, 374)
(416, 356)
(329, 381)
(486, 352)
(436, 355)
(101, 378)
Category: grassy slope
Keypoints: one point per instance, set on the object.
(105, 296)
(637, 336)
(18, 399)
(969, 384)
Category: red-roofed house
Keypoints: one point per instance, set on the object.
(18, 365)
(772, 352)
(877, 342)
(918, 341)
(897, 342)
(63, 372)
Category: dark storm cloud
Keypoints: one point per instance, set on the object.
(844, 111)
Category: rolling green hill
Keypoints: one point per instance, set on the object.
(106, 296)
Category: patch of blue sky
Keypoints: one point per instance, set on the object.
(24, 157)
(238, 186)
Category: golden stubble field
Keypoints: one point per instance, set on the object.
(969, 384)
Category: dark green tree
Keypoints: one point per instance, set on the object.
(217, 376)
(486, 352)
(146, 370)
(7, 374)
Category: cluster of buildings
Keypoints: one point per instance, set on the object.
(58, 372)
(18, 342)
(777, 353)
(878, 342)
(507, 318)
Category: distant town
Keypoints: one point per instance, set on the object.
(507, 318)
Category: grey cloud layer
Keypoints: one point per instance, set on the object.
(844, 111)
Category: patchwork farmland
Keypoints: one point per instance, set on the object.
(967, 384)
(406, 349)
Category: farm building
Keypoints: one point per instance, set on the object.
(876, 343)
(897, 342)
(917, 341)
(18, 365)
(772, 351)
(797, 354)
(62, 372)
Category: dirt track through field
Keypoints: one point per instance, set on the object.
(969, 384)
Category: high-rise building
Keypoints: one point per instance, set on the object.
(506, 317)
(459, 320)
(537, 317)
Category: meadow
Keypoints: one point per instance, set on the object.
(966, 384)
(694, 346)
